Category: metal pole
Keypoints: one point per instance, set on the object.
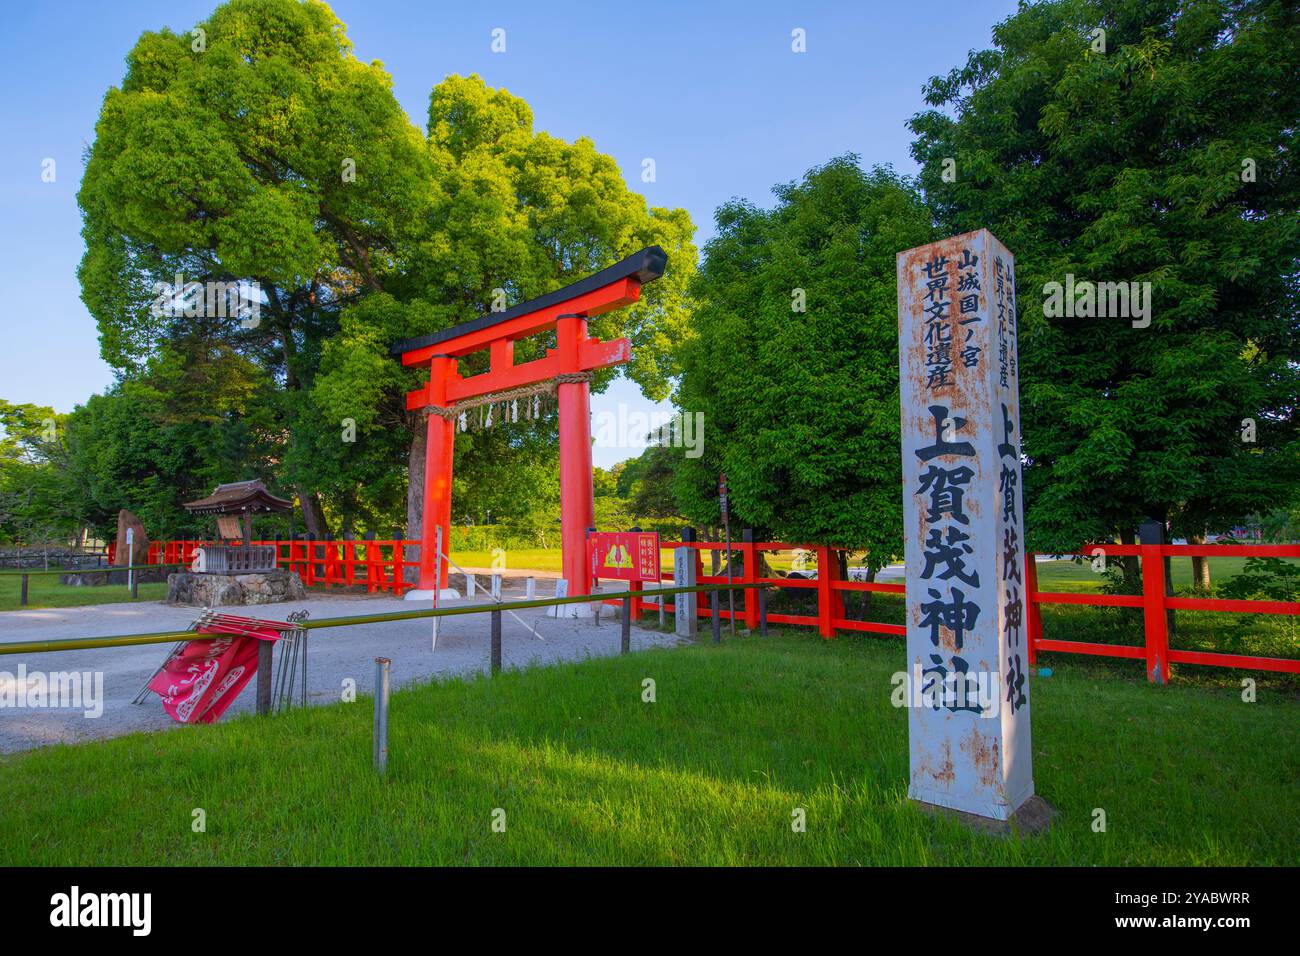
(496, 642)
(135, 588)
(762, 612)
(23, 600)
(437, 581)
(627, 626)
(264, 649)
(717, 623)
(130, 559)
(731, 595)
(437, 566)
(381, 715)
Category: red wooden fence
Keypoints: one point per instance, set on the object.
(379, 566)
(1153, 601)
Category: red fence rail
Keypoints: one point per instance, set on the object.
(379, 566)
(1154, 602)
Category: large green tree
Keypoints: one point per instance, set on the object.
(518, 213)
(193, 416)
(255, 149)
(1139, 141)
(795, 361)
(37, 504)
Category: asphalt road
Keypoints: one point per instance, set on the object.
(334, 655)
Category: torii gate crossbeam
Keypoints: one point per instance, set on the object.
(569, 365)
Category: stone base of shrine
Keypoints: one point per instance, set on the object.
(230, 590)
(426, 594)
(1035, 815)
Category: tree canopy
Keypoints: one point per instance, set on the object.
(257, 152)
(795, 361)
(1147, 142)
(1139, 141)
(519, 213)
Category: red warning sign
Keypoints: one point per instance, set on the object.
(624, 555)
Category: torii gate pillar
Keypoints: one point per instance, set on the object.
(577, 491)
(439, 453)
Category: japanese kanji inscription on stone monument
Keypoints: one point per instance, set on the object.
(963, 526)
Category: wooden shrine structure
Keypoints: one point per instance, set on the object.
(232, 502)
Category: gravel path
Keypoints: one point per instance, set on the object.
(334, 654)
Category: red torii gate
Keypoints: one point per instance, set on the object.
(569, 365)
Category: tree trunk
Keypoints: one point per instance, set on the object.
(866, 595)
(415, 500)
(1200, 566)
(1129, 564)
(312, 514)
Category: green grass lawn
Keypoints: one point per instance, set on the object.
(740, 736)
(44, 590)
(517, 559)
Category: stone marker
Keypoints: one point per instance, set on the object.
(684, 619)
(138, 553)
(968, 725)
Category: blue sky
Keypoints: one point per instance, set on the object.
(710, 91)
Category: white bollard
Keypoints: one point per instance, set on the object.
(530, 589)
(561, 590)
(685, 623)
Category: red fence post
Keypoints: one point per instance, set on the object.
(1033, 611)
(748, 576)
(830, 606)
(399, 563)
(1156, 622)
(369, 545)
(634, 587)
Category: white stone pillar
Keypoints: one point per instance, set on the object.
(963, 526)
(685, 622)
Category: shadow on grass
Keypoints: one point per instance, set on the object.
(587, 772)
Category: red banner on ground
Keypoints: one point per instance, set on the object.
(199, 682)
(625, 555)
